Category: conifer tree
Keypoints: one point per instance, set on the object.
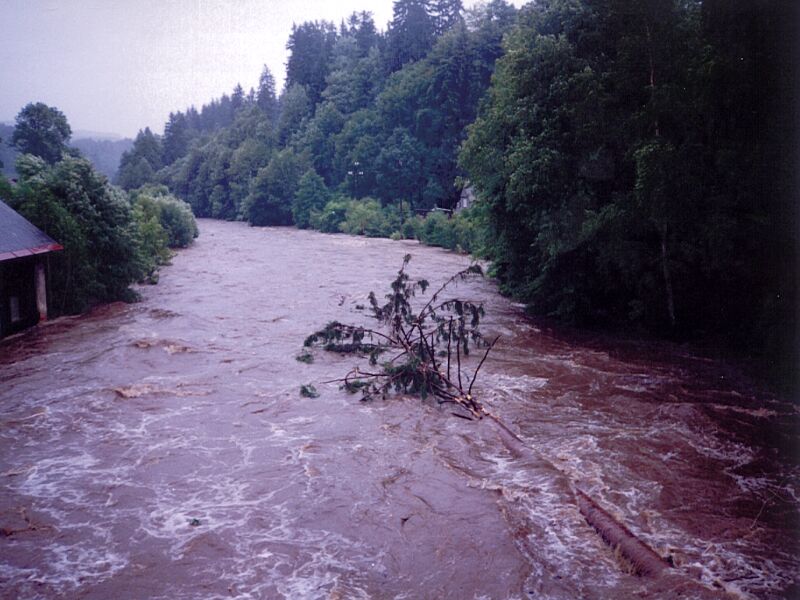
(411, 32)
(266, 98)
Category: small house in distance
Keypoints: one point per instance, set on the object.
(23, 281)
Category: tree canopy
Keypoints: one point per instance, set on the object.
(633, 163)
(41, 130)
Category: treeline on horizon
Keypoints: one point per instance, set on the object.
(633, 161)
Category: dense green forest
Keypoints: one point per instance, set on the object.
(631, 163)
(111, 238)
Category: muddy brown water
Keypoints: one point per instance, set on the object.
(162, 449)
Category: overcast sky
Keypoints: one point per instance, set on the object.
(117, 66)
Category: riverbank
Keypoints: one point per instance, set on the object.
(464, 232)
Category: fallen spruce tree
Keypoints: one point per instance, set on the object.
(421, 352)
(414, 352)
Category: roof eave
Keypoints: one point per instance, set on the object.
(22, 253)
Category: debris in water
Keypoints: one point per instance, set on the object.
(194, 522)
(169, 346)
(137, 390)
(309, 391)
(305, 357)
(443, 327)
(643, 560)
(134, 391)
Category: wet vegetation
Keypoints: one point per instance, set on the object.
(631, 164)
(415, 351)
(111, 238)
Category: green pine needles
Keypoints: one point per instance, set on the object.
(415, 352)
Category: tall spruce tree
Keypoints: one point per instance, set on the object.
(139, 164)
(411, 32)
(177, 136)
(266, 97)
(310, 46)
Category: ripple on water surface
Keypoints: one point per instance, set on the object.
(161, 449)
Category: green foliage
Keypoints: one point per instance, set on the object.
(310, 47)
(109, 240)
(177, 136)
(311, 195)
(461, 231)
(139, 165)
(94, 222)
(153, 248)
(399, 168)
(411, 32)
(394, 139)
(216, 174)
(610, 156)
(41, 130)
(367, 217)
(330, 218)
(295, 107)
(426, 345)
(173, 216)
(266, 98)
(273, 190)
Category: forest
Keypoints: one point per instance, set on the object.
(633, 162)
(629, 166)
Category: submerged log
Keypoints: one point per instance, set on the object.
(644, 560)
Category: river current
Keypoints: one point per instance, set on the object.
(162, 449)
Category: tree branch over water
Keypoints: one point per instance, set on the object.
(419, 344)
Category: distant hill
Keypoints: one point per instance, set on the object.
(82, 134)
(104, 151)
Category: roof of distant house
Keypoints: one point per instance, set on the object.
(19, 237)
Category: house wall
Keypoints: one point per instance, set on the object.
(18, 308)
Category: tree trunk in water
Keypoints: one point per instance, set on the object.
(667, 278)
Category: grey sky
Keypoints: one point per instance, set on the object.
(119, 65)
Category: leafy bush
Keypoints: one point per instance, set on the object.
(410, 227)
(463, 231)
(153, 249)
(75, 205)
(174, 216)
(329, 219)
(367, 217)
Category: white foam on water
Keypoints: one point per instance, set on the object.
(512, 384)
(66, 567)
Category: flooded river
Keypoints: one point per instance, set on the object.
(162, 450)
